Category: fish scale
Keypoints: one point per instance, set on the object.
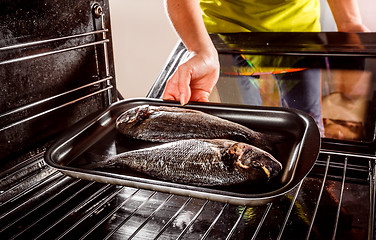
(166, 124)
(203, 162)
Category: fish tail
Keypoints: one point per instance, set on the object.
(97, 161)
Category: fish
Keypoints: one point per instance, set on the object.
(201, 162)
(166, 124)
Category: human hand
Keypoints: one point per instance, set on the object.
(194, 79)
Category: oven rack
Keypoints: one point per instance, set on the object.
(51, 62)
(105, 81)
(108, 87)
(39, 202)
(22, 47)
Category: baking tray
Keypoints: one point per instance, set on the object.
(297, 150)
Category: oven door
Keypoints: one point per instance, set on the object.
(330, 76)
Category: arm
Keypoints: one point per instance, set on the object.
(194, 79)
(347, 16)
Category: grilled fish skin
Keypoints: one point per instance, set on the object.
(201, 162)
(166, 124)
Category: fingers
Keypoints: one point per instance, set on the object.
(177, 87)
(193, 80)
(171, 89)
(200, 96)
(184, 79)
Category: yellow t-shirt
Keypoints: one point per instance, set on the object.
(225, 16)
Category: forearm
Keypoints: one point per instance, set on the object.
(347, 15)
(186, 18)
(194, 79)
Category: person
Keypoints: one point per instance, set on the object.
(193, 20)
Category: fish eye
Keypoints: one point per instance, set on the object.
(121, 119)
(256, 164)
(126, 119)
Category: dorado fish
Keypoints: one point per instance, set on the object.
(202, 162)
(166, 124)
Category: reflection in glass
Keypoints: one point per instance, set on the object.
(336, 91)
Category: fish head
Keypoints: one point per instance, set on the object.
(256, 161)
(133, 116)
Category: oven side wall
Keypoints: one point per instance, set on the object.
(56, 67)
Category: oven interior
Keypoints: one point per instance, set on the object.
(56, 74)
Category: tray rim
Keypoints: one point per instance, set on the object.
(176, 188)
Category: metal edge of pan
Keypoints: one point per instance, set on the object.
(310, 151)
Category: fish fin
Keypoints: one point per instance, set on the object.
(233, 154)
(143, 112)
(227, 159)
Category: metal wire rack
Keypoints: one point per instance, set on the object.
(38, 202)
(105, 79)
(30, 114)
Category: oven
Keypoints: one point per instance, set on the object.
(57, 72)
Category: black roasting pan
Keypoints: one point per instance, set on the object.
(297, 150)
